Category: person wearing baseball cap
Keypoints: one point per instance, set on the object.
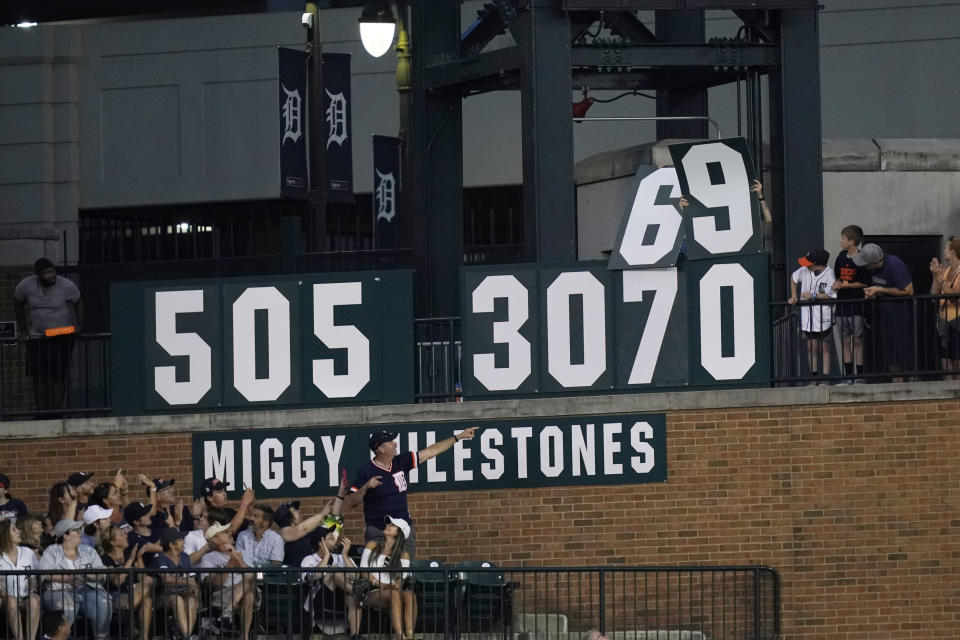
(10, 507)
(83, 484)
(390, 553)
(139, 516)
(893, 320)
(381, 483)
(179, 590)
(228, 590)
(815, 280)
(169, 509)
(87, 597)
(96, 521)
(213, 491)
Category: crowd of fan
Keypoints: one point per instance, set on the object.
(117, 524)
(864, 272)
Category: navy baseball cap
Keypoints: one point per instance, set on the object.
(815, 257)
(378, 438)
(164, 484)
(134, 511)
(170, 534)
(79, 478)
(210, 485)
(4, 481)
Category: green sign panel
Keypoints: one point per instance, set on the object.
(504, 454)
(275, 342)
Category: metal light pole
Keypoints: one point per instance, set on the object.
(315, 130)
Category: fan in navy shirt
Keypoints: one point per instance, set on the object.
(381, 484)
(10, 507)
(890, 277)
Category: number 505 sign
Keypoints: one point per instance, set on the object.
(283, 340)
(642, 322)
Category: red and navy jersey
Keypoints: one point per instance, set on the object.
(390, 498)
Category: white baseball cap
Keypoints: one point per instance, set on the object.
(95, 512)
(215, 529)
(401, 524)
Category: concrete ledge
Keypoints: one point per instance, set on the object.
(623, 162)
(850, 154)
(919, 154)
(486, 410)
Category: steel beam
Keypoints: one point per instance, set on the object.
(681, 27)
(436, 155)
(465, 71)
(549, 211)
(795, 138)
(672, 56)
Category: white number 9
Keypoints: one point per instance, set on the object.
(733, 193)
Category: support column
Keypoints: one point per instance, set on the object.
(795, 138)
(685, 27)
(436, 163)
(549, 206)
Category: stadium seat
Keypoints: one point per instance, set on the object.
(487, 602)
(429, 589)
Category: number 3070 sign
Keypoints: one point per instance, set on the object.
(649, 319)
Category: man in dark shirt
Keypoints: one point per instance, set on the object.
(10, 507)
(849, 285)
(890, 278)
(214, 494)
(167, 505)
(138, 516)
(381, 484)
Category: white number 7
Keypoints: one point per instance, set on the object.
(663, 282)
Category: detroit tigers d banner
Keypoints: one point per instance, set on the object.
(337, 127)
(294, 175)
(504, 454)
(387, 190)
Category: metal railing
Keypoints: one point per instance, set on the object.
(53, 377)
(469, 600)
(858, 341)
(438, 353)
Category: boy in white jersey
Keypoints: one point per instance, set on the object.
(815, 279)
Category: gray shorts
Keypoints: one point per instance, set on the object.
(850, 326)
(372, 534)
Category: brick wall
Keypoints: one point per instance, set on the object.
(856, 505)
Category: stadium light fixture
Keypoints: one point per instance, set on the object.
(377, 27)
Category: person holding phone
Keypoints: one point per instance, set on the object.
(331, 590)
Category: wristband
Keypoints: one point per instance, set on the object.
(761, 199)
(455, 438)
(340, 497)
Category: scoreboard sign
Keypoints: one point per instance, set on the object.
(504, 454)
(301, 340)
(682, 301)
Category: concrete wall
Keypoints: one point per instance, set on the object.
(39, 142)
(850, 493)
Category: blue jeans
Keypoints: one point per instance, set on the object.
(92, 603)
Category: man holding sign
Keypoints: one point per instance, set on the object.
(381, 484)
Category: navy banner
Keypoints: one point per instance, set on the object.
(520, 453)
(387, 191)
(337, 123)
(294, 172)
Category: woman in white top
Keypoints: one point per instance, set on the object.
(388, 591)
(19, 591)
(331, 590)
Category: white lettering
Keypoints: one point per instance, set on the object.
(333, 449)
(584, 449)
(489, 439)
(246, 446)
(611, 447)
(551, 446)
(271, 470)
(460, 455)
(520, 434)
(278, 344)
(644, 462)
(304, 471)
(218, 464)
